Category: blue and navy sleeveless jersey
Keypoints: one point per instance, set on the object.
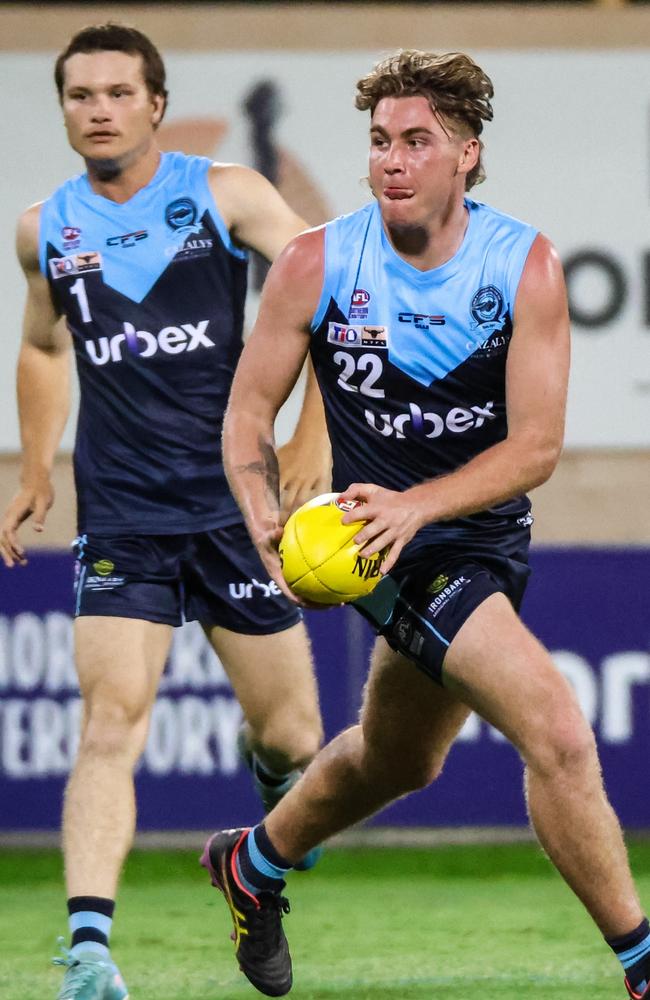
(411, 363)
(153, 292)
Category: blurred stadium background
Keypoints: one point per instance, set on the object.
(272, 85)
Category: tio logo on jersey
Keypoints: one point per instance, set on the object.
(170, 340)
(431, 425)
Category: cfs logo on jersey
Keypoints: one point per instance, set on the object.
(170, 340)
(127, 239)
(422, 321)
(357, 336)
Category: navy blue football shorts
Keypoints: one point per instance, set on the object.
(215, 577)
(419, 611)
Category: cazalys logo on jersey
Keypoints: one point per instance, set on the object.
(487, 309)
(189, 238)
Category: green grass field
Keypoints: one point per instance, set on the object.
(491, 922)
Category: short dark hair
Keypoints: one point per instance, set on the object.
(457, 89)
(113, 37)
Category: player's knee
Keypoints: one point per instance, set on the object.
(113, 731)
(420, 774)
(568, 746)
(285, 758)
(285, 745)
(401, 773)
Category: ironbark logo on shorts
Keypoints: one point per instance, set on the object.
(437, 584)
(104, 567)
(448, 590)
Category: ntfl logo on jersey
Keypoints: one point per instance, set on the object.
(357, 336)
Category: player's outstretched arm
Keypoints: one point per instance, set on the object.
(536, 387)
(268, 369)
(258, 217)
(43, 383)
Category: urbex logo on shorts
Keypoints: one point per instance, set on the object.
(244, 591)
(431, 425)
(170, 340)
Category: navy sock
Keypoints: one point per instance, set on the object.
(266, 776)
(633, 952)
(90, 920)
(259, 866)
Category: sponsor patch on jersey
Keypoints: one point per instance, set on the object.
(422, 321)
(488, 309)
(357, 336)
(127, 239)
(359, 304)
(71, 237)
(76, 263)
(181, 213)
(191, 248)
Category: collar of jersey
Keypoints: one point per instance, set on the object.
(164, 166)
(436, 275)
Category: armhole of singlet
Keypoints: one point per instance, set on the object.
(517, 263)
(222, 229)
(329, 287)
(42, 238)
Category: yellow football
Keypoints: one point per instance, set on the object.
(320, 560)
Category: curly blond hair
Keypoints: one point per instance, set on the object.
(456, 88)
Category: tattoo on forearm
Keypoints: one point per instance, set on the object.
(267, 467)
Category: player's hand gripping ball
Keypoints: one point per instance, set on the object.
(320, 560)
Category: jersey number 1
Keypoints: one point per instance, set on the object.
(79, 290)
